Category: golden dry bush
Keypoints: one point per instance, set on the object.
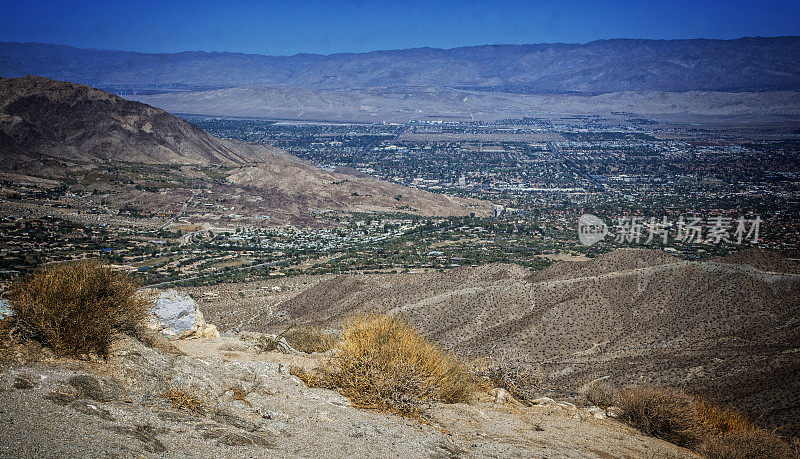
(746, 443)
(186, 398)
(715, 419)
(309, 339)
(383, 363)
(661, 412)
(74, 308)
(713, 430)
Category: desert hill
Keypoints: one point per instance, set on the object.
(137, 155)
(402, 104)
(636, 316)
(41, 117)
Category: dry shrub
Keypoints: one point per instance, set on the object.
(746, 443)
(383, 363)
(518, 381)
(186, 398)
(716, 419)
(600, 393)
(75, 308)
(309, 339)
(266, 344)
(13, 349)
(686, 420)
(661, 412)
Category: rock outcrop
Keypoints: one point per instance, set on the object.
(177, 316)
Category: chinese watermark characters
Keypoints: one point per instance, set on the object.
(684, 230)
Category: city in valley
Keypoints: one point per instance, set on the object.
(444, 229)
(540, 176)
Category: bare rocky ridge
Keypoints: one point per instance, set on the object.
(636, 316)
(64, 130)
(41, 117)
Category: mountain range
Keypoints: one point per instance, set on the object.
(745, 64)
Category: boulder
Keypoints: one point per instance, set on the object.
(177, 316)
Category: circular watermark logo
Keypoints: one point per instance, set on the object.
(591, 229)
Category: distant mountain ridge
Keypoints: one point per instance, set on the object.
(745, 64)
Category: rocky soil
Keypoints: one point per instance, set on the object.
(255, 408)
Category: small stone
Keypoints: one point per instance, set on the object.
(60, 398)
(500, 395)
(176, 315)
(543, 401)
(23, 383)
(233, 417)
(597, 412)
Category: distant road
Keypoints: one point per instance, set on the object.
(180, 212)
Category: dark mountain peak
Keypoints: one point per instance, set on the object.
(42, 117)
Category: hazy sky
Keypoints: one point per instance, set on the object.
(311, 26)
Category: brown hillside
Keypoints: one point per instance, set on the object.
(634, 315)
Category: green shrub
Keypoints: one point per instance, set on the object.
(75, 308)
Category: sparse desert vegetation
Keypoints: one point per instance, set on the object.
(309, 339)
(522, 383)
(187, 398)
(693, 422)
(383, 363)
(75, 308)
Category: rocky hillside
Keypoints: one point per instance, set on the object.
(635, 316)
(96, 140)
(41, 117)
(252, 407)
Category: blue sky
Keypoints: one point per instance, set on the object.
(311, 26)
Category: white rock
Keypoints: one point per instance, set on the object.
(500, 395)
(597, 412)
(177, 316)
(543, 401)
(5, 308)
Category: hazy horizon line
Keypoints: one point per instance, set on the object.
(400, 49)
